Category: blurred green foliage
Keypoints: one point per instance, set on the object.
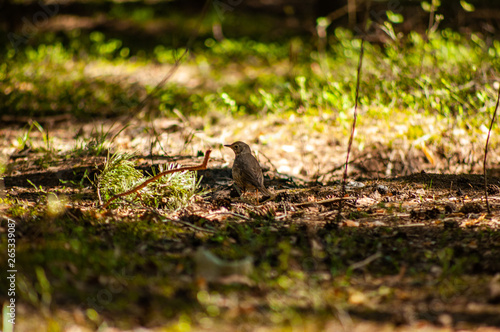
(98, 74)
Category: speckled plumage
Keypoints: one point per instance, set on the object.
(247, 173)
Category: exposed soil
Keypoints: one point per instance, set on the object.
(421, 248)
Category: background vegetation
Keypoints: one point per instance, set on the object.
(93, 96)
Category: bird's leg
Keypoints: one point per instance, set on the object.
(242, 192)
(257, 195)
(239, 191)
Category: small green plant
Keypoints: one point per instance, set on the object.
(98, 142)
(39, 188)
(357, 215)
(3, 166)
(171, 191)
(45, 135)
(118, 175)
(24, 141)
(77, 184)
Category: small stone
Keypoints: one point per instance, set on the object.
(382, 189)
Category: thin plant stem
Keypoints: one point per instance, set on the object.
(351, 138)
(486, 152)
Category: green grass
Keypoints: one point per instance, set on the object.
(171, 191)
(140, 261)
(71, 255)
(119, 175)
(451, 75)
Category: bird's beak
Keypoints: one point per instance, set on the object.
(228, 145)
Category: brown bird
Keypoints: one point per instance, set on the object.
(247, 173)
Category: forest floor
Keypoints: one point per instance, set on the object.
(414, 249)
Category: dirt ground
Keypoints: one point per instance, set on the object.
(422, 250)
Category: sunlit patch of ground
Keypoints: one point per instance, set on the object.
(414, 252)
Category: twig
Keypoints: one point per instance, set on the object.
(269, 161)
(99, 195)
(365, 261)
(412, 225)
(283, 216)
(486, 152)
(165, 219)
(344, 318)
(351, 138)
(185, 223)
(230, 213)
(154, 178)
(325, 201)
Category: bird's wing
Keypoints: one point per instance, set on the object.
(251, 172)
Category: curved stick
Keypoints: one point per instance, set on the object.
(156, 177)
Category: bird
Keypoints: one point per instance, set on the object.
(247, 173)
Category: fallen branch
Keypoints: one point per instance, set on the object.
(365, 261)
(412, 225)
(229, 213)
(156, 177)
(325, 201)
